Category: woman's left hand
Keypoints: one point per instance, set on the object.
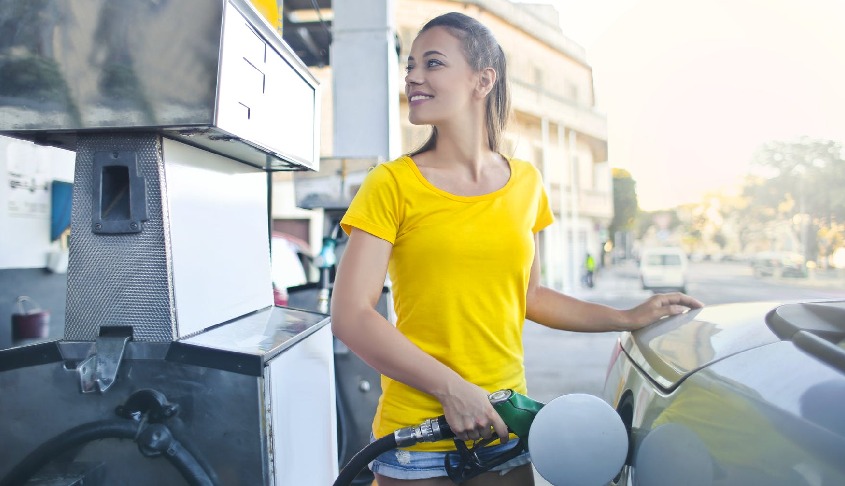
(659, 306)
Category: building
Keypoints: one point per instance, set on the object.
(554, 124)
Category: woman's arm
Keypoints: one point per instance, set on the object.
(556, 310)
(355, 321)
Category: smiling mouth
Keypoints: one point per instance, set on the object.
(420, 97)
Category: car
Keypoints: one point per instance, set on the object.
(663, 268)
(291, 265)
(778, 264)
(734, 394)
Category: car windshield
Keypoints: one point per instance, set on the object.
(664, 260)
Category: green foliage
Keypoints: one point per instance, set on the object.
(720, 240)
(662, 220)
(801, 181)
(625, 203)
(810, 172)
(798, 183)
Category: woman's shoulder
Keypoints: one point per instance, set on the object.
(395, 166)
(393, 169)
(520, 166)
(399, 163)
(391, 166)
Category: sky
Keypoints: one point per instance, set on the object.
(691, 88)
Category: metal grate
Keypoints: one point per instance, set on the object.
(124, 279)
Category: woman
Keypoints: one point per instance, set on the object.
(455, 223)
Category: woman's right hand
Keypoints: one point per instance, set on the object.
(469, 413)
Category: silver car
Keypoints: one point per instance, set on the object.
(734, 394)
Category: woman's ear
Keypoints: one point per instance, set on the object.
(486, 81)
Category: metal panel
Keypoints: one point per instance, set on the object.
(304, 423)
(242, 428)
(73, 66)
(220, 418)
(219, 242)
(124, 279)
(204, 245)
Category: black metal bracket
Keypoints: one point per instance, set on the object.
(119, 195)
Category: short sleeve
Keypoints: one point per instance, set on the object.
(545, 217)
(375, 207)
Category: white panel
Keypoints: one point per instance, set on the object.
(288, 110)
(26, 171)
(303, 412)
(240, 69)
(262, 98)
(219, 240)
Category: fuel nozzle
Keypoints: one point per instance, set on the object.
(325, 261)
(516, 410)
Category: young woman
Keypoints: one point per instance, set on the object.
(455, 223)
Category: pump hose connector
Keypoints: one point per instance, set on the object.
(431, 430)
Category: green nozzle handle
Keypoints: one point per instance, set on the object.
(517, 410)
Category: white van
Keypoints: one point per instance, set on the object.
(664, 268)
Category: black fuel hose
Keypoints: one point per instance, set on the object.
(360, 460)
(156, 437)
(430, 430)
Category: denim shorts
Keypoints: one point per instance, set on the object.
(404, 464)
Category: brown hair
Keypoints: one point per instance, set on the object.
(481, 51)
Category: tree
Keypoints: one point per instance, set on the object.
(811, 172)
(625, 203)
(625, 209)
(801, 180)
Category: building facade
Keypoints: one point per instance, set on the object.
(554, 124)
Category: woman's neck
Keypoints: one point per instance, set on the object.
(463, 148)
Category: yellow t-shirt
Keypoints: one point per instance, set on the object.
(460, 267)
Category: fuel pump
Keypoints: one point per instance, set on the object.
(174, 367)
(574, 440)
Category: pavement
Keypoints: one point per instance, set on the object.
(620, 280)
(832, 278)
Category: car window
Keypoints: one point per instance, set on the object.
(663, 260)
(673, 260)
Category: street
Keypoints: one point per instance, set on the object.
(560, 362)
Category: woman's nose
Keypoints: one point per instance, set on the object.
(412, 76)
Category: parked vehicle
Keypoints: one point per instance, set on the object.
(664, 268)
(778, 264)
(735, 394)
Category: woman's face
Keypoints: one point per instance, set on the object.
(439, 83)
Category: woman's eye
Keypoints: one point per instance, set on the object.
(409, 68)
(433, 63)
